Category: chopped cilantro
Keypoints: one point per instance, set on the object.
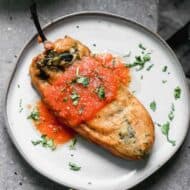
(35, 115)
(18, 85)
(21, 109)
(166, 126)
(149, 67)
(177, 92)
(164, 69)
(138, 58)
(50, 143)
(141, 77)
(171, 114)
(75, 98)
(74, 167)
(20, 106)
(133, 91)
(83, 80)
(36, 142)
(153, 106)
(173, 107)
(141, 46)
(165, 130)
(45, 142)
(164, 81)
(20, 103)
(140, 61)
(101, 92)
(158, 124)
(73, 143)
(146, 58)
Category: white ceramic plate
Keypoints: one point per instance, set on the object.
(103, 171)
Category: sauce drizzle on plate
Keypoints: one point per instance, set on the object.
(48, 124)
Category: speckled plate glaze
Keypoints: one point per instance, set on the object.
(99, 169)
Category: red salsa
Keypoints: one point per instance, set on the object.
(86, 87)
(48, 124)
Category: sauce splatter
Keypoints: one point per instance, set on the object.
(48, 124)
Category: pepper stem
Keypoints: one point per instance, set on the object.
(33, 11)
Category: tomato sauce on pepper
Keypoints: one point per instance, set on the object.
(50, 126)
(77, 102)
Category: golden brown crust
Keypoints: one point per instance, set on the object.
(123, 127)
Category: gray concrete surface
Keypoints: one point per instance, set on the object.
(15, 30)
(174, 14)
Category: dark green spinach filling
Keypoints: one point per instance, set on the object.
(54, 61)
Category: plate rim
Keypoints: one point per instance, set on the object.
(91, 13)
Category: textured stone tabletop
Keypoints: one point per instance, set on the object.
(16, 28)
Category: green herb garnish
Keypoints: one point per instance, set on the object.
(45, 142)
(164, 69)
(140, 61)
(153, 106)
(146, 57)
(75, 98)
(83, 80)
(35, 115)
(141, 77)
(73, 144)
(165, 130)
(21, 109)
(20, 106)
(20, 103)
(127, 55)
(164, 81)
(141, 46)
(166, 126)
(36, 142)
(171, 114)
(149, 67)
(100, 92)
(177, 92)
(18, 85)
(158, 124)
(74, 167)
